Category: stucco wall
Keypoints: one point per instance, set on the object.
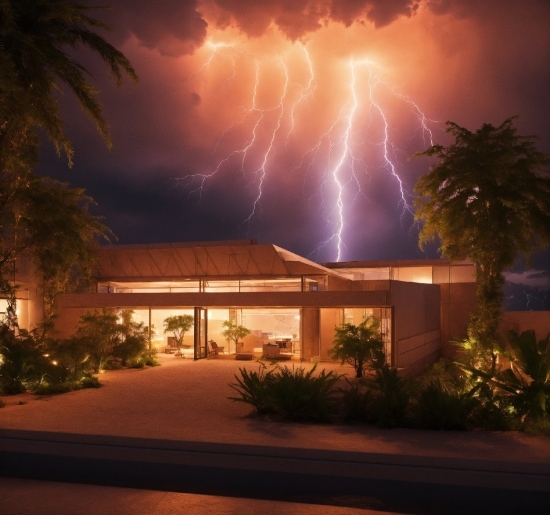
(520, 321)
(416, 325)
(310, 333)
(68, 320)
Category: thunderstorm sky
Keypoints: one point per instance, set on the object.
(294, 121)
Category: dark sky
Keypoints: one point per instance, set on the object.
(293, 121)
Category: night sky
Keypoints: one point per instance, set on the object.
(293, 122)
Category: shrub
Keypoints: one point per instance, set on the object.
(22, 363)
(73, 354)
(391, 398)
(438, 408)
(57, 388)
(527, 380)
(253, 389)
(90, 382)
(130, 349)
(293, 394)
(494, 412)
(299, 395)
(360, 346)
(356, 401)
(149, 358)
(101, 332)
(67, 386)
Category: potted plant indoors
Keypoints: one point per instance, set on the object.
(233, 333)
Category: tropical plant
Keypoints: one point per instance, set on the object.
(360, 346)
(488, 199)
(133, 339)
(233, 332)
(391, 397)
(439, 407)
(101, 331)
(40, 217)
(34, 39)
(254, 389)
(527, 380)
(356, 401)
(178, 325)
(54, 225)
(293, 394)
(74, 355)
(297, 394)
(24, 363)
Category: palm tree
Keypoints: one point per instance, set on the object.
(487, 199)
(35, 36)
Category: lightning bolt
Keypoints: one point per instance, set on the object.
(339, 156)
(262, 170)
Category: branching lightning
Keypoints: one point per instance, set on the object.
(345, 153)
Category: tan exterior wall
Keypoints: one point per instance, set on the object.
(310, 333)
(417, 335)
(255, 299)
(339, 283)
(330, 318)
(520, 321)
(68, 320)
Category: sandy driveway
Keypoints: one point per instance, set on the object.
(187, 401)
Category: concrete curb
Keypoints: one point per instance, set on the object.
(493, 474)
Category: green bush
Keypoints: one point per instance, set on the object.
(90, 382)
(46, 388)
(438, 408)
(73, 354)
(361, 346)
(57, 388)
(299, 395)
(293, 394)
(253, 389)
(357, 399)
(23, 364)
(383, 400)
(391, 396)
(130, 349)
(149, 358)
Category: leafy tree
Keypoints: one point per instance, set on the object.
(35, 36)
(178, 325)
(41, 217)
(234, 332)
(101, 331)
(48, 223)
(360, 346)
(488, 199)
(134, 338)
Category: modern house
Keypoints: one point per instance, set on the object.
(281, 297)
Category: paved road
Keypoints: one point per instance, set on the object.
(31, 497)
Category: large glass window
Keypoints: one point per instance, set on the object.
(256, 285)
(266, 325)
(221, 286)
(159, 338)
(148, 287)
(283, 284)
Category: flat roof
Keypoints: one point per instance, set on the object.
(397, 263)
